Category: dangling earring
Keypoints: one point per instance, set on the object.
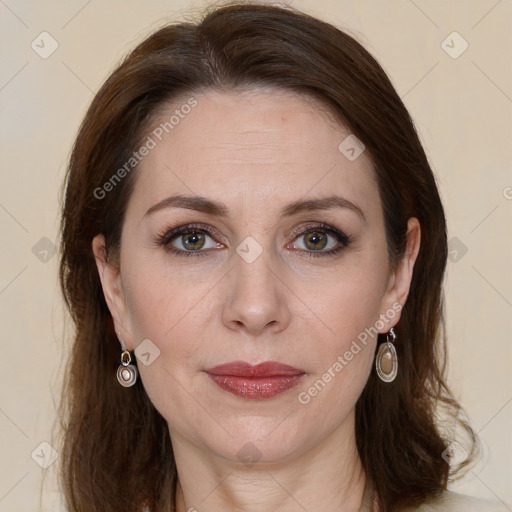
(126, 373)
(386, 362)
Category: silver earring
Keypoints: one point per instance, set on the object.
(386, 362)
(127, 373)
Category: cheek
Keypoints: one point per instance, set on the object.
(343, 355)
(160, 300)
(166, 309)
(345, 352)
(347, 312)
(349, 303)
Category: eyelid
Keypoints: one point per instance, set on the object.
(311, 225)
(170, 233)
(342, 237)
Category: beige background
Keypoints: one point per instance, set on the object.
(462, 108)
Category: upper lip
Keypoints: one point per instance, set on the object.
(243, 369)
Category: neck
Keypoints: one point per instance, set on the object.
(326, 477)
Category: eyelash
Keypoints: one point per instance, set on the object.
(165, 237)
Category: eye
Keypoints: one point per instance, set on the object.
(189, 240)
(317, 238)
(193, 241)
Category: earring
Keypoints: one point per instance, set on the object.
(386, 362)
(127, 373)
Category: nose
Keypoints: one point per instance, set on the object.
(256, 296)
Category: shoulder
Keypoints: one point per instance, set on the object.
(450, 501)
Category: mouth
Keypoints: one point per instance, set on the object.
(255, 382)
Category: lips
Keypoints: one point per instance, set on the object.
(255, 382)
(242, 369)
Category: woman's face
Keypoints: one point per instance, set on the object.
(274, 275)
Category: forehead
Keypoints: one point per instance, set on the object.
(261, 144)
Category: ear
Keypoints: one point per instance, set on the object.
(400, 280)
(110, 277)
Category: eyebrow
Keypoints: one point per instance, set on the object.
(218, 209)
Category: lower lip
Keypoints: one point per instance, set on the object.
(256, 388)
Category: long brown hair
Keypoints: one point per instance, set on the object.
(117, 453)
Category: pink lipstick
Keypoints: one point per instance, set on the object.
(255, 382)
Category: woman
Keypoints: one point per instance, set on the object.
(293, 361)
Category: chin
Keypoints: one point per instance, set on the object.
(260, 440)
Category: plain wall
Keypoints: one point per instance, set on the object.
(462, 108)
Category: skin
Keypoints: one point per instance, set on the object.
(256, 151)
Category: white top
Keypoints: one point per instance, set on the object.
(450, 501)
